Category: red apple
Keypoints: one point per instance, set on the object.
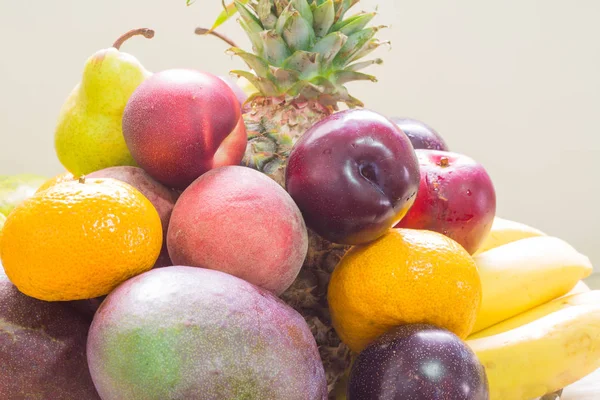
(456, 197)
(179, 124)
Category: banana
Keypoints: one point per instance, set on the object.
(542, 356)
(591, 297)
(505, 231)
(521, 275)
(581, 287)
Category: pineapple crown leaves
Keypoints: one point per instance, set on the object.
(304, 49)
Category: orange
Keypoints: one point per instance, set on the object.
(79, 240)
(407, 276)
(64, 177)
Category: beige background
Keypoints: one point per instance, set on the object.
(515, 84)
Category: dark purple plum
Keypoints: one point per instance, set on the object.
(353, 175)
(421, 135)
(417, 362)
(42, 348)
(87, 307)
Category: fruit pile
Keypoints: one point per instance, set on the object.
(209, 242)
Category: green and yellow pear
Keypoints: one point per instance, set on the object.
(14, 189)
(88, 135)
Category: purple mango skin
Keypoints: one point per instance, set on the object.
(193, 333)
(418, 362)
(421, 135)
(42, 349)
(354, 175)
(87, 307)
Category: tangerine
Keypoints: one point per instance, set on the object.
(79, 240)
(405, 277)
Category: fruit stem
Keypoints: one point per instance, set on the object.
(444, 162)
(147, 33)
(204, 31)
(81, 179)
(552, 396)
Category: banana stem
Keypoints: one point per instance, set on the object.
(553, 396)
(147, 33)
(204, 31)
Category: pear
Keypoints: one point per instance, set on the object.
(14, 189)
(88, 134)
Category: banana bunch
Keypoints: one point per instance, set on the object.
(538, 329)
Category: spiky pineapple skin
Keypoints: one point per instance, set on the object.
(308, 296)
(304, 52)
(273, 127)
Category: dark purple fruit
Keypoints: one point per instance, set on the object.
(421, 135)
(42, 348)
(417, 362)
(353, 175)
(87, 307)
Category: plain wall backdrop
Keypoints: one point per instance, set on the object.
(515, 84)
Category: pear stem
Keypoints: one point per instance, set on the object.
(204, 31)
(147, 33)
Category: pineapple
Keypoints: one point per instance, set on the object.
(305, 51)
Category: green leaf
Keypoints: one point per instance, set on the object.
(356, 42)
(308, 64)
(257, 42)
(280, 5)
(324, 17)
(370, 47)
(283, 18)
(229, 11)
(248, 16)
(342, 6)
(363, 64)
(285, 78)
(342, 77)
(265, 86)
(297, 33)
(257, 64)
(329, 46)
(304, 10)
(353, 24)
(275, 50)
(265, 14)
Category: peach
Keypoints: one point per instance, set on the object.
(239, 221)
